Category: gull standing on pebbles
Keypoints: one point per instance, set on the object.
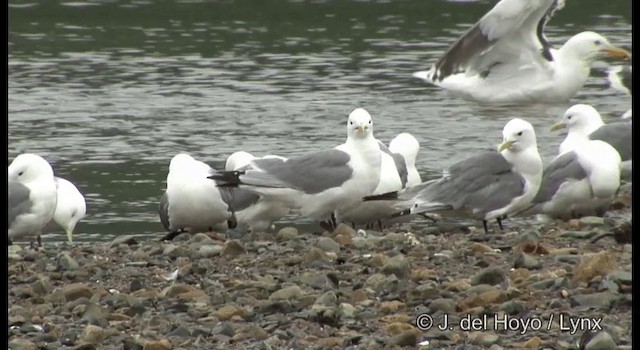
(488, 186)
(318, 183)
(191, 202)
(70, 207)
(32, 196)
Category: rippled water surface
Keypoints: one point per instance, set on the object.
(109, 91)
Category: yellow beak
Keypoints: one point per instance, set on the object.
(70, 235)
(360, 128)
(504, 145)
(558, 126)
(617, 52)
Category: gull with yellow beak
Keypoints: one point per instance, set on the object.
(585, 123)
(70, 207)
(580, 182)
(490, 185)
(505, 57)
(318, 183)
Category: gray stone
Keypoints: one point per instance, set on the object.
(602, 341)
(208, 250)
(577, 234)
(328, 245)
(287, 293)
(398, 265)
(600, 300)
(592, 221)
(328, 299)
(512, 307)
(524, 260)
(490, 275)
(448, 306)
(65, 262)
(123, 239)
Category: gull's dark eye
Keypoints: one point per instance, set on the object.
(569, 117)
(598, 42)
(20, 173)
(350, 123)
(520, 133)
(369, 121)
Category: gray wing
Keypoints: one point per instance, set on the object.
(556, 173)
(310, 173)
(476, 48)
(401, 165)
(238, 199)
(484, 183)
(620, 78)
(618, 135)
(18, 200)
(163, 211)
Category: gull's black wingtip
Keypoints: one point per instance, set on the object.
(226, 178)
(382, 197)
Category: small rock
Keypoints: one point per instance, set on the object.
(177, 289)
(22, 344)
(398, 265)
(347, 311)
(286, 233)
(577, 234)
(76, 290)
(448, 306)
(601, 341)
(422, 274)
(598, 264)
(162, 344)
(601, 300)
(233, 248)
(533, 343)
(484, 339)
(224, 328)
(512, 307)
(202, 238)
(489, 297)
(287, 293)
(315, 280)
(389, 307)
(591, 221)
(315, 254)
(209, 250)
(478, 247)
(524, 260)
(228, 311)
(407, 338)
(328, 299)
(66, 263)
(123, 239)
(93, 334)
(328, 245)
(491, 276)
(358, 296)
(42, 285)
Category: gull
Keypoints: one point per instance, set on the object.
(191, 202)
(585, 123)
(32, 196)
(505, 57)
(318, 183)
(487, 186)
(70, 207)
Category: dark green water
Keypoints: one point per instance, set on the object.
(109, 91)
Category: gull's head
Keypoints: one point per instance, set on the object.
(28, 167)
(359, 124)
(591, 46)
(237, 160)
(71, 207)
(180, 161)
(406, 145)
(580, 118)
(517, 135)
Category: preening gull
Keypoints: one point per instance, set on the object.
(32, 196)
(393, 177)
(192, 202)
(408, 146)
(585, 123)
(505, 57)
(580, 182)
(321, 182)
(487, 186)
(252, 211)
(70, 207)
(620, 78)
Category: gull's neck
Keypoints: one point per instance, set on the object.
(571, 70)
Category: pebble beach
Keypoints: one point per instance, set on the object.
(552, 286)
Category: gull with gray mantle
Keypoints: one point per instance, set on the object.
(580, 182)
(585, 123)
(505, 57)
(620, 78)
(32, 196)
(318, 183)
(490, 185)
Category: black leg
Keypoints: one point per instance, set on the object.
(334, 222)
(326, 225)
(353, 225)
(10, 241)
(486, 230)
(499, 220)
(171, 235)
(39, 240)
(427, 216)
